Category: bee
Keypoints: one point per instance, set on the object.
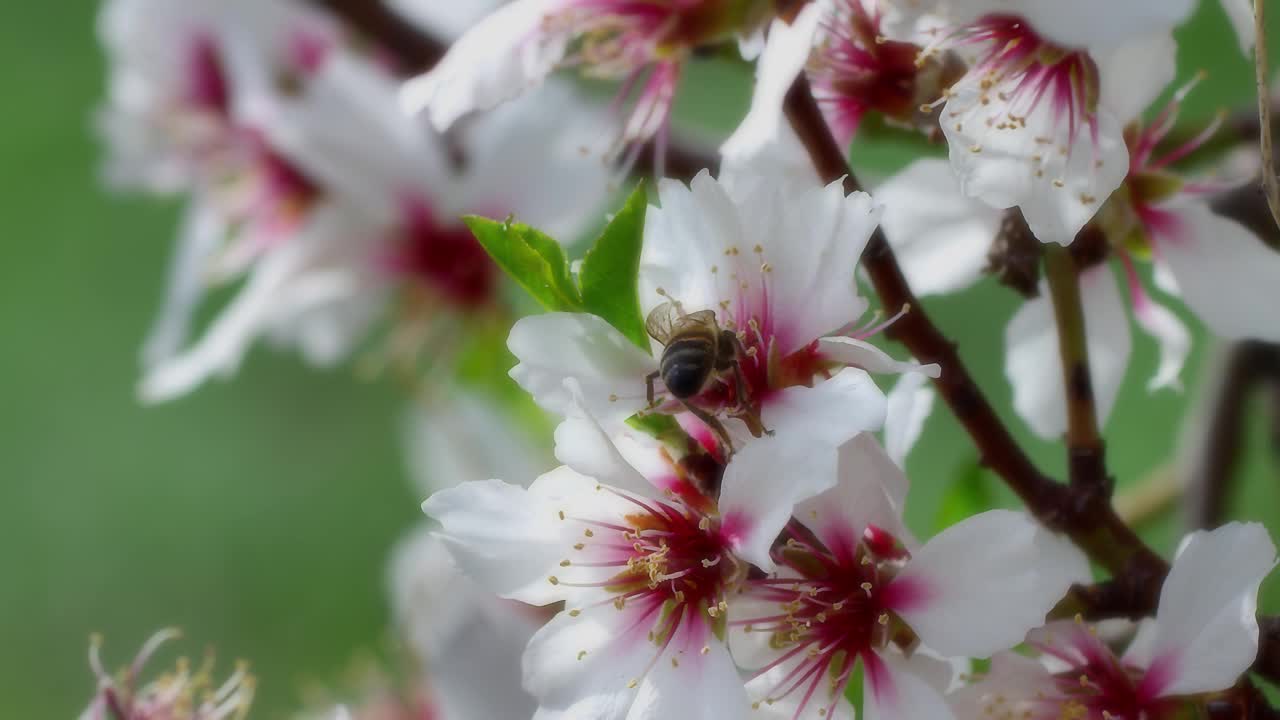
(696, 353)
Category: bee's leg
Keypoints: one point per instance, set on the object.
(716, 426)
(648, 383)
(746, 412)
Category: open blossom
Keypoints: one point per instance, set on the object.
(382, 224)
(1204, 637)
(187, 693)
(853, 68)
(175, 90)
(644, 44)
(775, 264)
(181, 76)
(1036, 121)
(852, 584)
(645, 562)
(1220, 269)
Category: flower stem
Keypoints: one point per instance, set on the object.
(1086, 452)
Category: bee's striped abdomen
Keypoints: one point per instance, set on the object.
(686, 364)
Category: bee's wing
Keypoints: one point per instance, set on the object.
(662, 322)
(703, 318)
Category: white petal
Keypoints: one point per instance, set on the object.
(556, 346)
(506, 538)
(469, 640)
(553, 134)
(1033, 365)
(864, 355)
(1240, 13)
(1077, 24)
(1208, 632)
(1135, 73)
(909, 404)
(941, 237)
(1010, 686)
(762, 484)
(203, 228)
(784, 254)
(700, 687)
(894, 691)
(582, 444)
(496, 60)
(224, 344)
(871, 490)
(754, 649)
(764, 691)
(576, 669)
(831, 412)
(1144, 645)
(595, 665)
(1225, 274)
(1058, 179)
(448, 20)
(765, 136)
(451, 440)
(980, 585)
(1172, 337)
(347, 133)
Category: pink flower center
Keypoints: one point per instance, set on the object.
(857, 70)
(281, 193)
(1151, 184)
(1021, 70)
(673, 565)
(443, 256)
(1097, 685)
(644, 43)
(618, 36)
(834, 608)
(207, 86)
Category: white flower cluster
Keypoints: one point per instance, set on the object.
(724, 535)
(306, 183)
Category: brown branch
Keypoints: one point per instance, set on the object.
(1086, 517)
(1086, 452)
(1214, 466)
(414, 50)
(1083, 513)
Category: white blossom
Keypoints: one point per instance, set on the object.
(775, 264)
(643, 44)
(380, 220)
(1204, 636)
(854, 583)
(645, 562)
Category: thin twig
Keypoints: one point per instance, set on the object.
(1086, 452)
(1216, 454)
(1270, 181)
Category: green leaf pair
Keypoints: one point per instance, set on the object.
(606, 285)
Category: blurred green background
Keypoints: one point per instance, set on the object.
(257, 514)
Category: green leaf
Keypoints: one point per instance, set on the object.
(664, 429)
(611, 269)
(532, 259)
